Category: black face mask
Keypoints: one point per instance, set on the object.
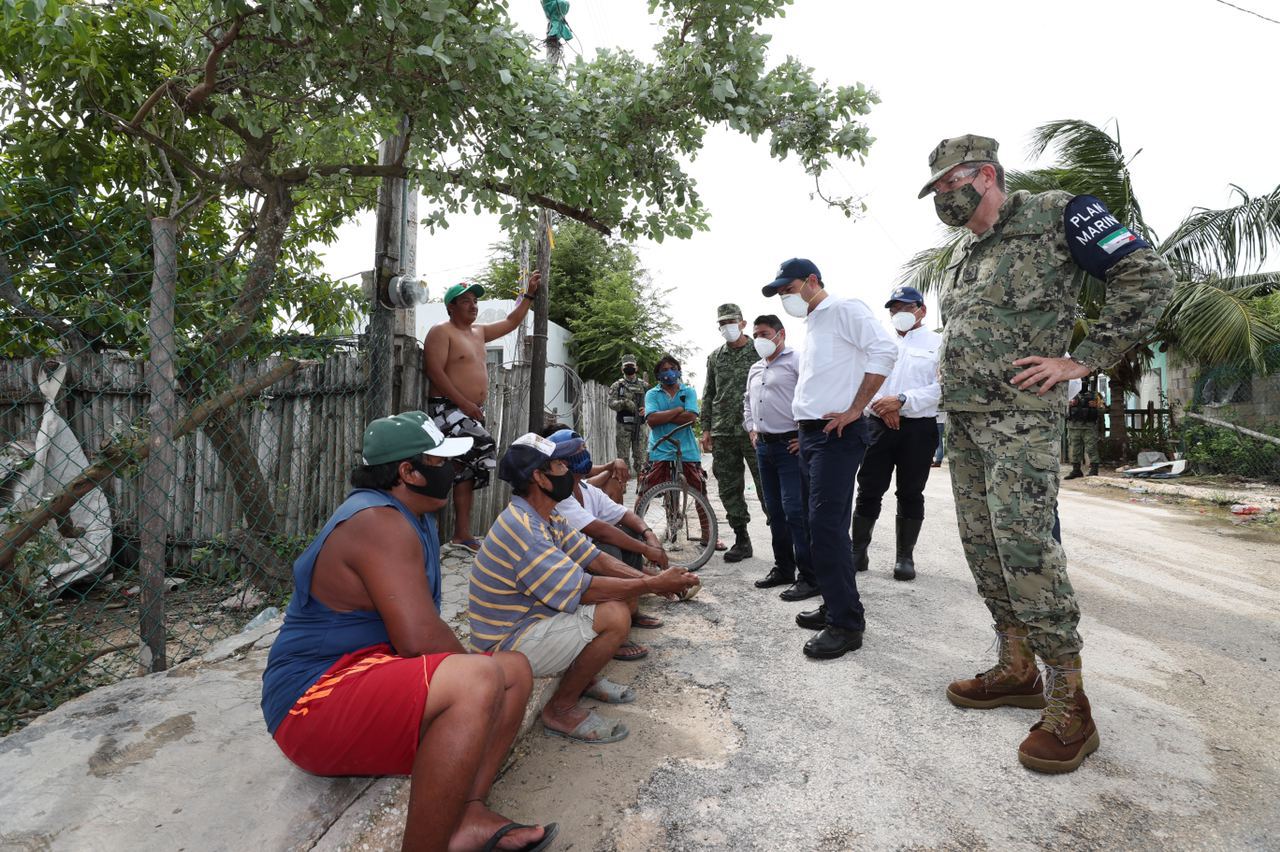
(439, 479)
(561, 486)
(630, 371)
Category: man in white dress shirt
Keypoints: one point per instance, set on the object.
(847, 356)
(903, 431)
(766, 415)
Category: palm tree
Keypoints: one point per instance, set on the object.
(1213, 317)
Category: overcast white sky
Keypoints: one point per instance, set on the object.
(1188, 81)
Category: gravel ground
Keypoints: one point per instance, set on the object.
(740, 742)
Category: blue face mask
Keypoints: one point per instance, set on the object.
(669, 377)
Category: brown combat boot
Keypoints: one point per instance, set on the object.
(1014, 681)
(1065, 734)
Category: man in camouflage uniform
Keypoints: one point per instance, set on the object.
(722, 432)
(1008, 301)
(626, 397)
(1083, 414)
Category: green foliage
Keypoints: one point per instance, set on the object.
(600, 293)
(1214, 449)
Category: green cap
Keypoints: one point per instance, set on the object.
(458, 289)
(728, 312)
(962, 149)
(403, 436)
(628, 359)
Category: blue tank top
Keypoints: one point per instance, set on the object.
(313, 637)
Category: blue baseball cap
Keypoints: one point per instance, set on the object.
(532, 452)
(790, 270)
(579, 462)
(905, 294)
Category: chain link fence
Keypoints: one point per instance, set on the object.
(165, 453)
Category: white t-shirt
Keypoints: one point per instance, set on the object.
(595, 506)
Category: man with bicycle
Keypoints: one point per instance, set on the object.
(671, 408)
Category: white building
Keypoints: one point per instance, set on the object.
(561, 388)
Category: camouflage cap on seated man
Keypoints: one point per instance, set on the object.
(728, 312)
(960, 149)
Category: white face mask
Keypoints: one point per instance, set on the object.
(903, 321)
(765, 347)
(794, 304)
(731, 332)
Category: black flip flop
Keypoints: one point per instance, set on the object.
(549, 832)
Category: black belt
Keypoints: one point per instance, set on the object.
(812, 425)
(771, 438)
(441, 399)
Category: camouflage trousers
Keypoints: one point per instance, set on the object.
(728, 455)
(1004, 476)
(1082, 440)
(632, 444)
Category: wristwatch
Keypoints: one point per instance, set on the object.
(902, 399)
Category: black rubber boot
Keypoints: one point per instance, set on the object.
(904, 567)
(1075, 473)
(861, 535)
(741, 546)
(1093, 469)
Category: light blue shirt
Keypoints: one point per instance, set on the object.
(657, 400)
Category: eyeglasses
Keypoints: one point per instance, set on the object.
(947, 184)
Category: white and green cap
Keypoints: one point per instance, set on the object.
(405, 435)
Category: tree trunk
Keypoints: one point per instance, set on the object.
(1119, 431)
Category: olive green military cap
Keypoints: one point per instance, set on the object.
(960, 149)
(628, 359)
(728, 312)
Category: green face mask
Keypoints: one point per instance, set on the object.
(957, 207)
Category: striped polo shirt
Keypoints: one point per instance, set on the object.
(527, 569)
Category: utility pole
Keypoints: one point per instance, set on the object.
(557, 32)
(394, 254)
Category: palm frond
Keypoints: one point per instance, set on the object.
(1214, 325)
(1090, 162)
(1229, 239)
(925, 269)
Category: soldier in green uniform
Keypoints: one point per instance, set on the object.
(1008, 302)
(1083, 414)
(626, 397)
(722, 432)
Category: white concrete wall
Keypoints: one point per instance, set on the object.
(505, 350)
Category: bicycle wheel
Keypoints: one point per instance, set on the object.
(675, 513)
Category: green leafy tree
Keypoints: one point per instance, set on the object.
(1216, 315)
(602, 295)
(255, 124)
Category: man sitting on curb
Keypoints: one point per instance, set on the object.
(614, 530)
(529, 591)
(366, 679)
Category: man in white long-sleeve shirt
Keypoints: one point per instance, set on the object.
(903, 430)
(847, 356)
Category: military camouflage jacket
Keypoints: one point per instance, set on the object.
(727, 370)
(626, 396)
(1012, 292)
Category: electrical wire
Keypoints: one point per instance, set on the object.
(1247, 11)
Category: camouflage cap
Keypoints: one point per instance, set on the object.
(728, 312)
(961, 149)
(628, 359)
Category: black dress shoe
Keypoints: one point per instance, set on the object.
(833, 642)
(813, 619)
(776, 577)
(802, 590)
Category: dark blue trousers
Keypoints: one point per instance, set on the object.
(829, 465)
(785, 502)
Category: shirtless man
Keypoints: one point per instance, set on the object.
(454, 359)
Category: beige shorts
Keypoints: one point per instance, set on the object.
(552, 644)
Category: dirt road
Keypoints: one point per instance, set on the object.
(740, 742)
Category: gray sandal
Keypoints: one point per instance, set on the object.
(594, 729)
(610, 692)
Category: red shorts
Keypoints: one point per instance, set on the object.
(362, 717)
